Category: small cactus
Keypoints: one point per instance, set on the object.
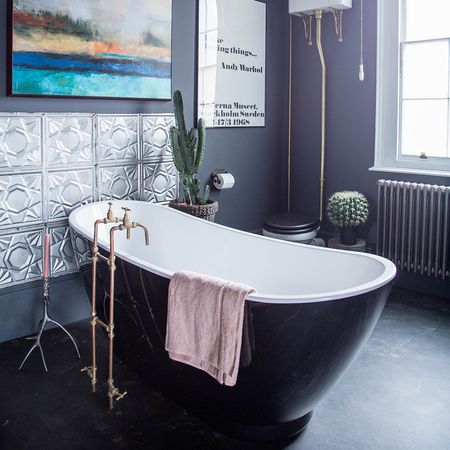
(348, 209)
(188, 153)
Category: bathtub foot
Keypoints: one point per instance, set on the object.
(275, 432)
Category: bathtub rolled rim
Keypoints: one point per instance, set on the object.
(386, 276)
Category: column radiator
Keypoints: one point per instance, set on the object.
(413, 226)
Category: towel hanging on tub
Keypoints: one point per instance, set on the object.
(204, 323)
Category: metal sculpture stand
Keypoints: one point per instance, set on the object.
(42, 324)
(125, 224)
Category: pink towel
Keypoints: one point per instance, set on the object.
(204, 324)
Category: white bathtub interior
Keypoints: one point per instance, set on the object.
(277, 270)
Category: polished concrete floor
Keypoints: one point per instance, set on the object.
(395, 396)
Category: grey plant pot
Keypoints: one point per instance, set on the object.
(349, 235)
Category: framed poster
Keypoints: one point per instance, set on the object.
(232, 63)
(90, 48)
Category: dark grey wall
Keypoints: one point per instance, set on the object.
(350, 115)
(255, 156)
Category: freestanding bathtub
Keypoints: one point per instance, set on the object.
(313, 310)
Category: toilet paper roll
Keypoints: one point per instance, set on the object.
(223, 181)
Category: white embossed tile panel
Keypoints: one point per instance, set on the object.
(117, 139)
(67, 190)
(63, 256)
(120, 183)
(69, 140)
(81, 248)
(20, 142)
(160, 181)
(155, 136)
(52, 163)
(20, 199)
(20, 257)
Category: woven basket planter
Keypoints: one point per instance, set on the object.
(207, 212)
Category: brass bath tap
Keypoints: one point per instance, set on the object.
(110, 217)
(126, 220)
(127, 224)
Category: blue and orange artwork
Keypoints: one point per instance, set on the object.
(92, 48)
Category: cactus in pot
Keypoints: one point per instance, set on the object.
(188, 147)
(348, 210)
(188, 153)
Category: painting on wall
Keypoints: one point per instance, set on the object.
(91, 48)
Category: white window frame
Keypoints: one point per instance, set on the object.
(387, 127)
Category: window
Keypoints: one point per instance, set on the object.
(413, 87)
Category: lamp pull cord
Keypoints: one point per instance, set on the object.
(361, 60)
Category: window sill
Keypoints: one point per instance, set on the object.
(433, 173)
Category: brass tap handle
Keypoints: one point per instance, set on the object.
(121, 396)
(110, 215)
(126, 220)
(89, 370)
(115, 393)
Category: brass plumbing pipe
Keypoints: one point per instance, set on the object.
(318, 15)
(112, 390)
(96, 256)
(127, 224)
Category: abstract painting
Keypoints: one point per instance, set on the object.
(91, 48)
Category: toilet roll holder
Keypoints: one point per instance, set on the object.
(215, 176)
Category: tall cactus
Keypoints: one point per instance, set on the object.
(188, 149)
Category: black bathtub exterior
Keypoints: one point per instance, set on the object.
(299, 352)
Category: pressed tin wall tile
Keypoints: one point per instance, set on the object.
(80, 247)
(117, 138)
(119, 182)
(160, 181)
(20, 142)
(155, 136)
(63, 255)
(20, 256)
(20, 199)
(69, 140)
(53, 163)
(68, 190)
